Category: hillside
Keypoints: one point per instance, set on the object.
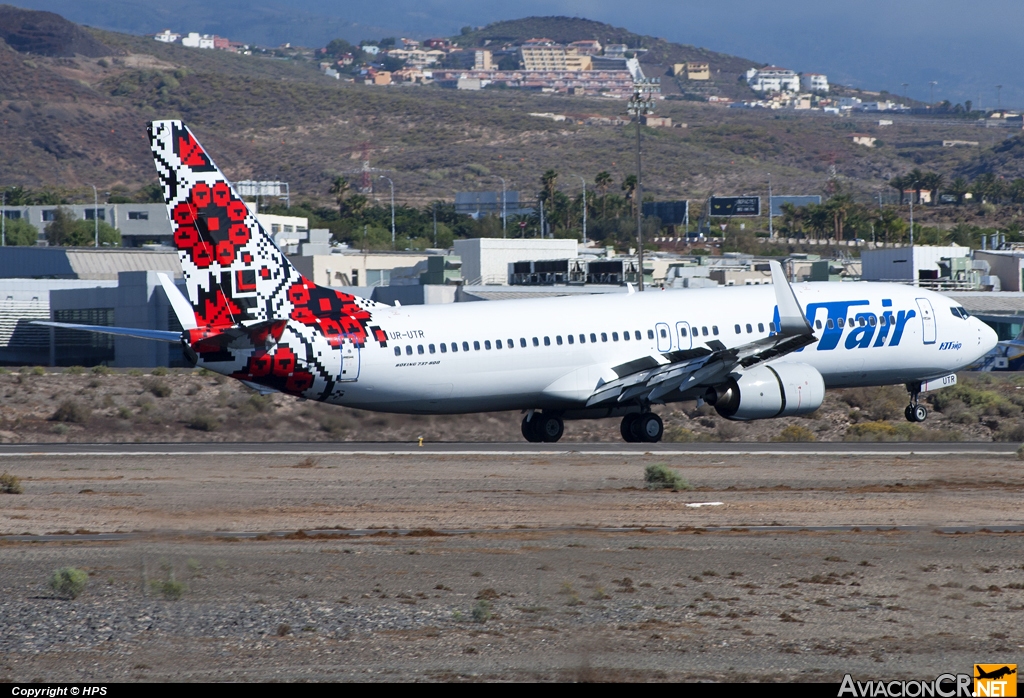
(72, 122)
(47, 34)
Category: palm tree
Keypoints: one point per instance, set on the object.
(915, 180)
(899, 184)
(549, 181)
(340, 188)
(932, 182)
(888, 221)
(958, 187)
(629, 186)
(839, 206)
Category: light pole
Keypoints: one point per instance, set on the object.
(640, 104)
(3, 219)
(584, 183)
(96, 213)
(911, 220)
(392, 210)
(771, 229)
(503, 217)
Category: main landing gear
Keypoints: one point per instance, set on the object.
(539, 427)
(644, 427)
(915, 412)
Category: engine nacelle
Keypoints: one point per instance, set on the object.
(778, 390)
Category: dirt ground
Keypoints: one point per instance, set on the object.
(533, 591)
(179, 405)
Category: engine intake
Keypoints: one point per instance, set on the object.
(779, 390)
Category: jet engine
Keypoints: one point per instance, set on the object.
(779, 390)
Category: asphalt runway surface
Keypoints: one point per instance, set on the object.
(473, 562)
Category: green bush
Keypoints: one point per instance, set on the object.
(158, 388)
(883, 431)
(203, 421)
(101, 370)
(9, 484)
(69, 582)
(170, 589)
(159, 371)
(661, 477)
(681, 435)
(980, 401)
(795, 433)
(38, 371)
(482, 611)
(71, 411)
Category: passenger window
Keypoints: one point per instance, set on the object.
(547, 341)
(749, 328)
(817, 323)
(571, 339)
(771, 327)
(465, 346)
(408, 350)
(714, 330)
(760, 327)
(871, 320)
(510, 344)
(558, 340)
(704, 331)
(455, 347)
(444, 348)
(862, 322)
(637, 335)
(497, 344)
(583, 339)
(738, 330)
(419, 349)
(593, 338)
(398, 351)
(615, 336)
(536, 342)
(476, 345)
(682, 331)
(831, 325)
(604, 336)
(487, 344)
(841, 322)
(884, 320)
(650, 334)
(431, 349)
(663, 333)
(522, 341)
(625, 335)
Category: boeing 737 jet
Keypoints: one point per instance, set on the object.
(753, 352)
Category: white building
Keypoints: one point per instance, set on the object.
(814, 82)
(196, 40)
(849, 103)
(167, 36)
(906, 264)
(773, 79)
(486, 260)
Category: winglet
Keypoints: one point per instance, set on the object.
(791, 316)
(182, 308)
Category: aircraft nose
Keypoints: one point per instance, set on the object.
(987, 336)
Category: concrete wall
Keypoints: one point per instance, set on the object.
(344, 268)
(904, 263)
(1006, 265)
(486, 260)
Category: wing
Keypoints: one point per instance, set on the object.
(654, 378)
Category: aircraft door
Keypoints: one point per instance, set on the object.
(927, 320)
(664, 335)
(683, 335)
(349, 361)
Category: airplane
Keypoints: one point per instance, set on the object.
(752, 352)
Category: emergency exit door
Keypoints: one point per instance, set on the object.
(927, 320)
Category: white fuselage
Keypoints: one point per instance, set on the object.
(469, 357)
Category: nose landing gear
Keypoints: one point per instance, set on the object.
(538, 428)
(915, 412)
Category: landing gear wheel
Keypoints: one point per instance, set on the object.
(909, 413)
(915, 412)
(550, 428)
(626, 428)
(650, 427)
(530, 431)
(920, 413)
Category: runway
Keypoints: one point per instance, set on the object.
(507, 449)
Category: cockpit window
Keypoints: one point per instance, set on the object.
(960, 312)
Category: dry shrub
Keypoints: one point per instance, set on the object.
(660, 477)
(69, 582)
(71, 411)
(9, 484)
(795, 433)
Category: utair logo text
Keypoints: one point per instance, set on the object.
(946, 346)
(862, 329)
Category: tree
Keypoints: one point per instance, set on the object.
(66, 231)
(61, 229)
(629, 186)
(549, 181)
(602, 181)
(933, 182)
(915, 180)
(899, 184)
(839, 207)
(340, 188)
(889, 223)
(958, 188)
(19, 232)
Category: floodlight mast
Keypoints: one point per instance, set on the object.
(584, 183)
(392, 210)
(640, 104)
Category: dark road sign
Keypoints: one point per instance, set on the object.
(735, 206)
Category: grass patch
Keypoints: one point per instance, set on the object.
(170, 588)
(9, 484)
(482, 611)
(69, 582)
(660, 477)
(158, 388)
(203, 421)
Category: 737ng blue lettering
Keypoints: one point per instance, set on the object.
(753, 352)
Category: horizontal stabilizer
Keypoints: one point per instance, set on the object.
(137, 332)
(179, 304)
